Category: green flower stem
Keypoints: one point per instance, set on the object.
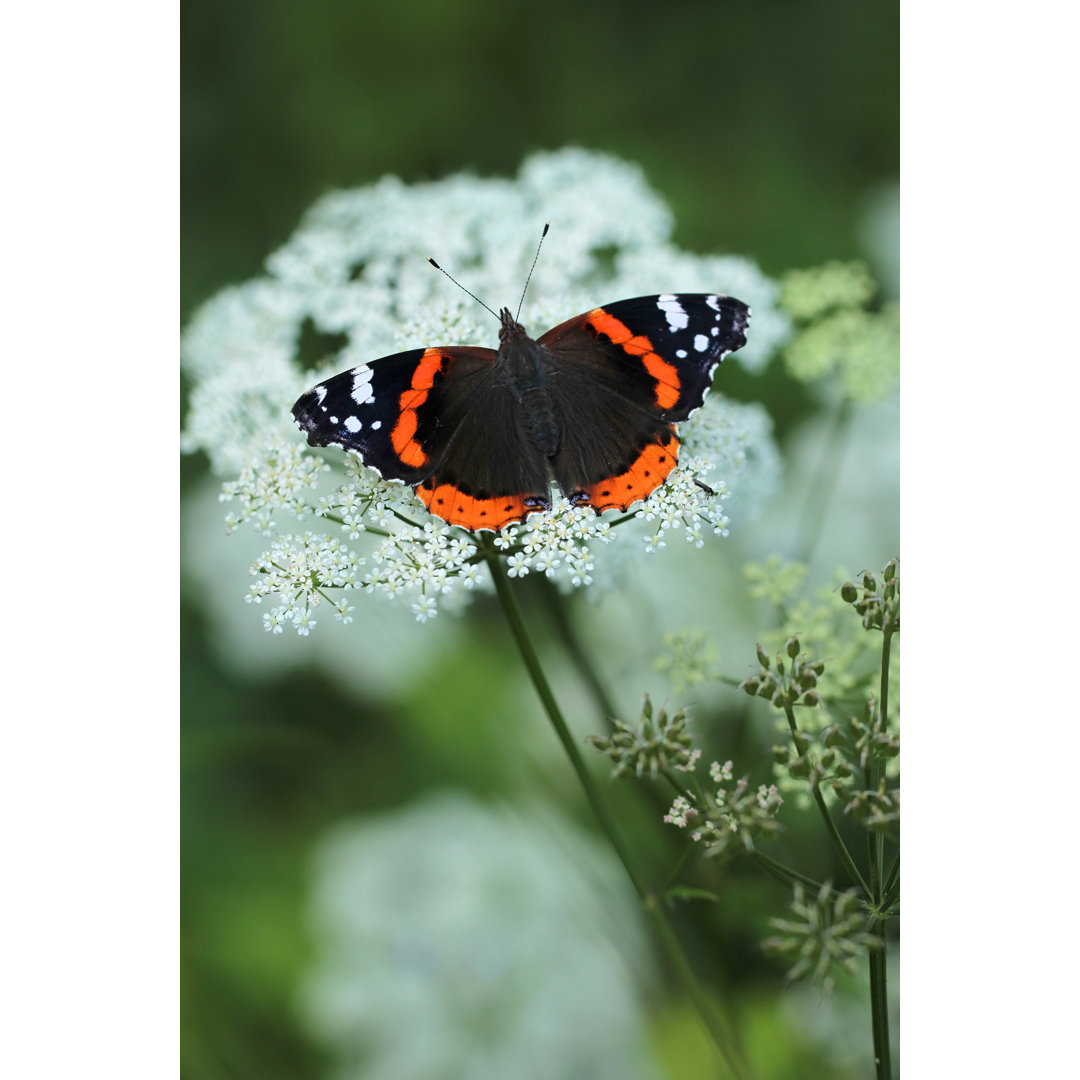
(892, 884)
(784, 873)
(717, 1025)
(372, 529)
(837, 839)
(879, 1001)
(575, 649)
(879, 1012)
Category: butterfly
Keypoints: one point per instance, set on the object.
(591, 404)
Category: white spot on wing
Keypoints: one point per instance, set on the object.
(320, 393)
(677, 318)
(701, 342)
(353, 424)
(375, 426)
(361, 385)
(680, 353)
(333, 419)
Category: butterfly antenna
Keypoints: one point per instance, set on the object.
(532, 268)
(460, 286)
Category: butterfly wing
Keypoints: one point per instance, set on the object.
(443, 420)
(621, 376)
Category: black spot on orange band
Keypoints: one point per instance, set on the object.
(645, 474)
(471, 512)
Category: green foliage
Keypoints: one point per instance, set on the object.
(839, 333)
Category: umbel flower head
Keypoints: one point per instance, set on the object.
(355, 278)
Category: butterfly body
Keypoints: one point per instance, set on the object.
(591, 405)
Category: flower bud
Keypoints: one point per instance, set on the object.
(763, 657)
(849, 593)
(782, 698)
(812, 698)
(800, 767)
(791, 647)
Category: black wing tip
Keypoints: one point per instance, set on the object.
(740, 322)
(307, 419)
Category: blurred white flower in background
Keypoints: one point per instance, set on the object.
(468, 940)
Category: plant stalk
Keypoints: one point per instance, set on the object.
(716, 1025)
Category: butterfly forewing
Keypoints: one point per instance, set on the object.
(676, 339)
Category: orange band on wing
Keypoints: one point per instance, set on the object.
(457, 508)
(408, 450)
(649, 470)
(668, 383)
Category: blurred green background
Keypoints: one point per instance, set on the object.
(765, 125)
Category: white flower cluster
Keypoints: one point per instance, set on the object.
(730, 818)
(297, 571)
(356, 267)
(277, 483)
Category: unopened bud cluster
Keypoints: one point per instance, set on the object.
(872, 739)
(877, 601)
(876, 810)
(820, 759)
(829, 931)
(656, 744)
(786, 682)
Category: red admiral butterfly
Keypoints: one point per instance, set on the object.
(480, 433)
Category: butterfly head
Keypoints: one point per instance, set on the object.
(511, 330)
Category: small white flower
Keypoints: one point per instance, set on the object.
(517, 565)
(680, 813)
(424, 608)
